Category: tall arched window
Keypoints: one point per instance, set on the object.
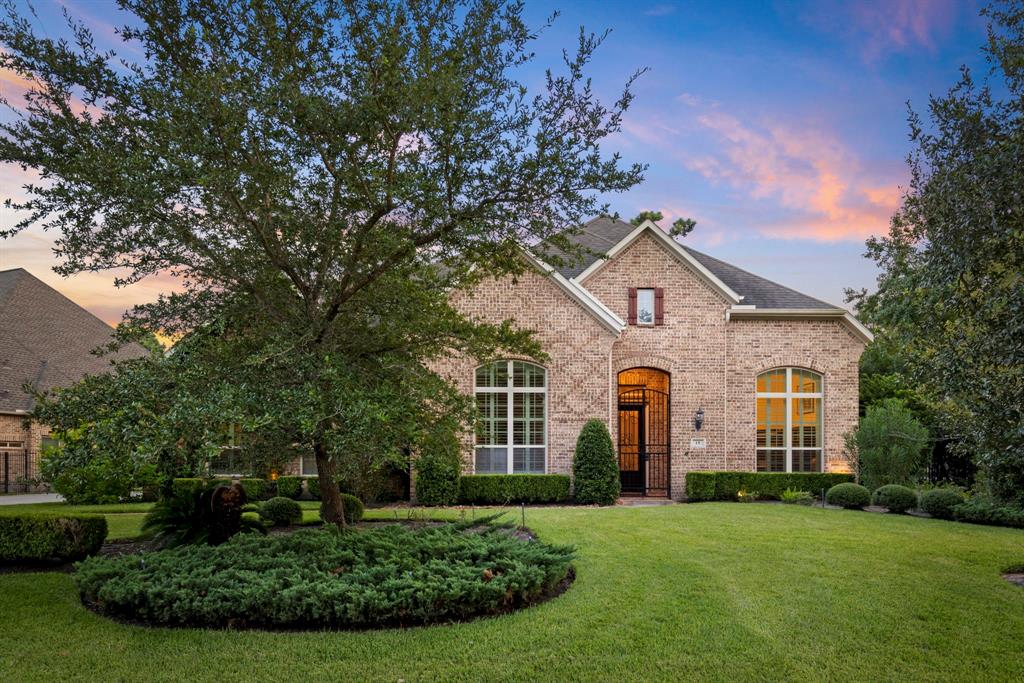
(511, 433)
(789, 429)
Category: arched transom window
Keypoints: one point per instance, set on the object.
(511, 432)
(789, 429)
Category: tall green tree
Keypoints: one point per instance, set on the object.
(319, 175)
(951, 289)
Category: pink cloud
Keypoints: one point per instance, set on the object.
(882, 27)
(809, 172)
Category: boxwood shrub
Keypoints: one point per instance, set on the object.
(895, 498)
(39, 537)
(501, 489)
(280, 511)
(314, 579)
(289, 487)
(595, 468)
(849, 495)
(703, 486)
(939, 503)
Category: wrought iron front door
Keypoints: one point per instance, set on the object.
(644, 442)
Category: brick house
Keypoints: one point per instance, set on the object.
(693, 363)
(46, 341)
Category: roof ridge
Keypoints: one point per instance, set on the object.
(759, 277)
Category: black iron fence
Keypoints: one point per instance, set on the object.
(19, 470)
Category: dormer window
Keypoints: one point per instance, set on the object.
(646, 306)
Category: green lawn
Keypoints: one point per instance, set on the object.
(711, 591)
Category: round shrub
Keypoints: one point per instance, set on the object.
(850, 496)
(595, 469)
(281, 511)
(391, 575)
(939, 503)
(895, 498)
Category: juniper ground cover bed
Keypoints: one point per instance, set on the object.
(323, 578)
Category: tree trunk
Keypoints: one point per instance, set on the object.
(331, 510)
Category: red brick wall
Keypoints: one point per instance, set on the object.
(713, 363)
(579, 349)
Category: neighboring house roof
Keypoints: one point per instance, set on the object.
(46, 340)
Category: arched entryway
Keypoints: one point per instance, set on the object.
(644, 432)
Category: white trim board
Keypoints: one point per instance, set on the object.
(647, 226)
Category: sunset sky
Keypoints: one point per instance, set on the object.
(779, 126)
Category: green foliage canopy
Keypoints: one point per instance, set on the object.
(951, 290)
(319, 177)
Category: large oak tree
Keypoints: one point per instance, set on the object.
(317, 175)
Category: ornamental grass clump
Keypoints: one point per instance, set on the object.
(326, 578)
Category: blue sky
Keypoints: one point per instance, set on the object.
(779, 126)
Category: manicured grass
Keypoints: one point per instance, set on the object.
(717, 591)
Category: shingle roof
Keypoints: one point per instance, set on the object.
(46, 340)
(602, 233)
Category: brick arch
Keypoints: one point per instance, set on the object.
(644, 361)
(807, 362)
(513, 356)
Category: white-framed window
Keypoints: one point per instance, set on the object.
(645, 307)
(512, 418)
(307, 465)
(789, 421)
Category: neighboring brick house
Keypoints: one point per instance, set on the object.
(653, 337)
(46, 341)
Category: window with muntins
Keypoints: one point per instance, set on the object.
(511, 431)
(789, 421)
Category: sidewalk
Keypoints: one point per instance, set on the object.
(26, 498)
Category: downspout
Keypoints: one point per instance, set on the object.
(725, 393)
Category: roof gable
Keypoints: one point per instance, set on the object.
(676, 249)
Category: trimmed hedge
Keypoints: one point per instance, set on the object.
(703, 486)
(255, 489)
(281, 511)
(849, 495)
(980, 511)
(500, 489)
(895, 498)
(50, 538)
(289, 487)
(939, 503)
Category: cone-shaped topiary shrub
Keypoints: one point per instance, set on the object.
(850, 496)
(595, 470)
(939, 503)
(895, 498)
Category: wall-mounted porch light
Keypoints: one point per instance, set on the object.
(698, 419)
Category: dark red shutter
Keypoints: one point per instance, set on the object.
(631, 317)
(659, 306)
